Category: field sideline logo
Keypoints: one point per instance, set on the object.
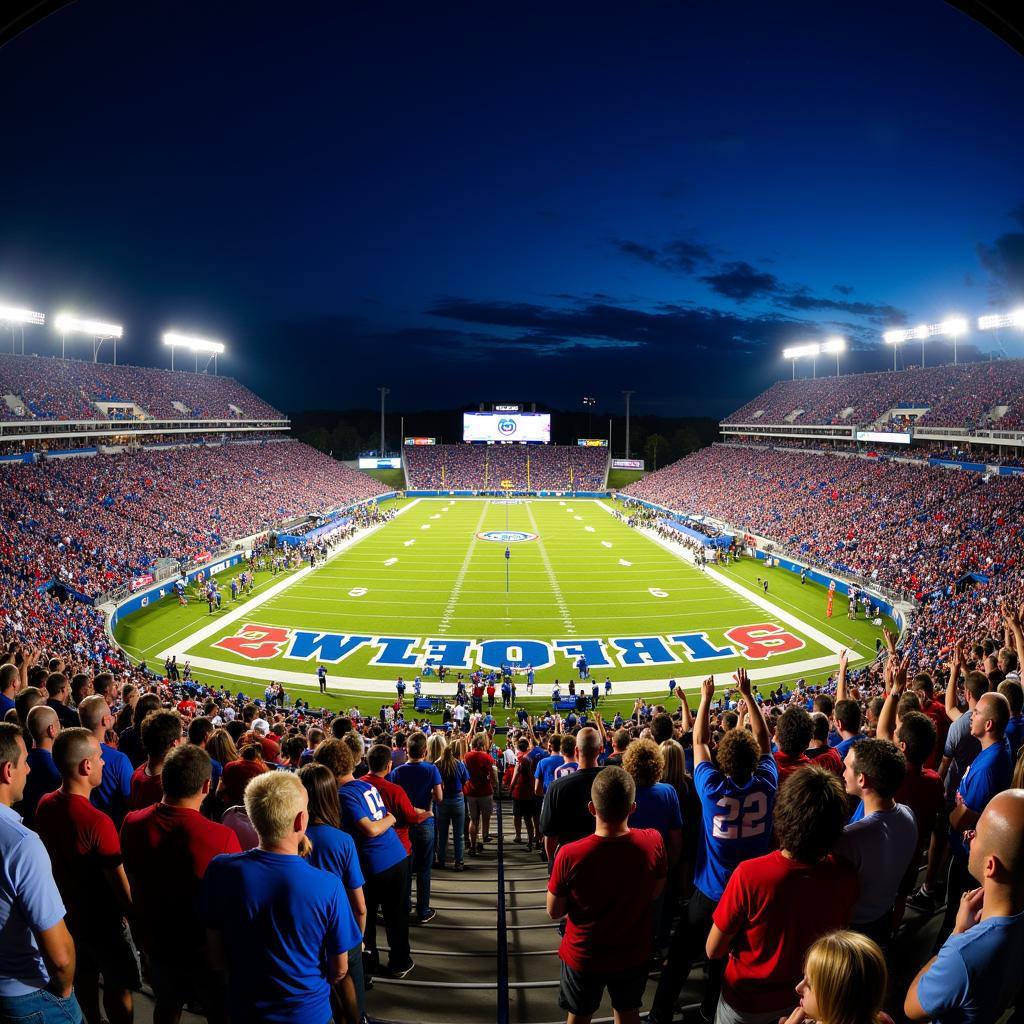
(757, 641)
(506, 536)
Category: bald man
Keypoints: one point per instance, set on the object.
(44, 776)
(988, 774)
(972, 979)
(565, 815)
(113, 793)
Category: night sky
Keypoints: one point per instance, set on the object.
(534, 203)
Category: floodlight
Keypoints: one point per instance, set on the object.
(14, 315)
(996, 320)
(797, 351)
(176, 340)
(920, 332)
(834, 345)
(953, 327)
(67, 323)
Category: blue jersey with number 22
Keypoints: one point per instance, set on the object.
(737, 822)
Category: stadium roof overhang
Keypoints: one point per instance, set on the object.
(1005, 18)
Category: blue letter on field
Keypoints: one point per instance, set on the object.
(699, 648)
(394, 652)
(451, 652)
(644, 650)
(592, 650)
(495, 653)
(324, 646)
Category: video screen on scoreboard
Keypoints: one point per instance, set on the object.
(500, 426)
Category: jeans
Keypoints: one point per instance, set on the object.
(387, 891)
(451, 812)
(421, 837)
(686, 948)
(40, 1007)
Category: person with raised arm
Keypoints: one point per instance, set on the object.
(736, 800)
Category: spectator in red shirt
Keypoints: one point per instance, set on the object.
(608, 927)
(167, 847)
(395, 798)
(86, 857)
(936, 711)
(236, 775)
(762, 922)
(480, 791)
(818, 749)
(161, 730)
(793, 735)
(269, 744)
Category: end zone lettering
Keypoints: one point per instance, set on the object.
(755, 641)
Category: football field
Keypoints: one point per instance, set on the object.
(478, 582)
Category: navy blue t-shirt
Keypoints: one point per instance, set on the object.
(280, 917)
(657, 807)
(418, 780)
(358, 800)
(452, 787)
(111, 796)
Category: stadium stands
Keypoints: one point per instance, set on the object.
(37, 387)
(484, 467)
(970, 396)
(92, 522)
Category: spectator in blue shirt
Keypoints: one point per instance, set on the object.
(657, 803)
(37, 954)
(972, 980)
(114, 791)
(545, 768)
(988, 774)
(282, 927)
(335, 851)
(422, 784)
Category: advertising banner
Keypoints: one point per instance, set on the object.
(883, 436)
(141, 581)
(592, 442)
(373, 462)
(420, 440)
(627, 463)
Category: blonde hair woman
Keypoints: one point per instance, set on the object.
(844, 982)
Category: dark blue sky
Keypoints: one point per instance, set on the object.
(469, 204)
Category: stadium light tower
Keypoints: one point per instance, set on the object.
(954, 327)
(628, 395)
(836, 345)
(589, 403)
(212, 349)
(796, 352)
(68, 323)
(383, 393)
(16, 318)
(997, 321)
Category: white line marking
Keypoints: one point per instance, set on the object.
(246, 610)
(391, 561)
(606, 543)
(453, 598)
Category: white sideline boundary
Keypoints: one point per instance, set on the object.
(430, 687)
(245, 610)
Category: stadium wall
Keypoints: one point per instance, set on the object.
(502, 494)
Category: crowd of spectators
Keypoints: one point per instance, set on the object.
(969, 395)
(91, 523)
(68, 389)
(477, 467)
(246, 849)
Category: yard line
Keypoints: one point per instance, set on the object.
(453, 598)
(563, 608)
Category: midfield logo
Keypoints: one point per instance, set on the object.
(755, 642)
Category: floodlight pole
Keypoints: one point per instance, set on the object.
(793, 361)
(628, 394)
(383, 393)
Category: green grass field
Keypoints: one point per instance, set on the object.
(427, 576)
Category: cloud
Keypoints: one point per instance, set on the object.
(800, 298)
(1004, 261)
(842, 289)
(740, 281)
(680, 256)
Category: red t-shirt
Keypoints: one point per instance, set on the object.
(397, 801)
(236, 776)
(937, 713)
(82, 843)
(166, 851)
(146, 789)
(922, 791)
(787, 765)
(827, 758)
(778, 907)
(480, 766)
(609, 925)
